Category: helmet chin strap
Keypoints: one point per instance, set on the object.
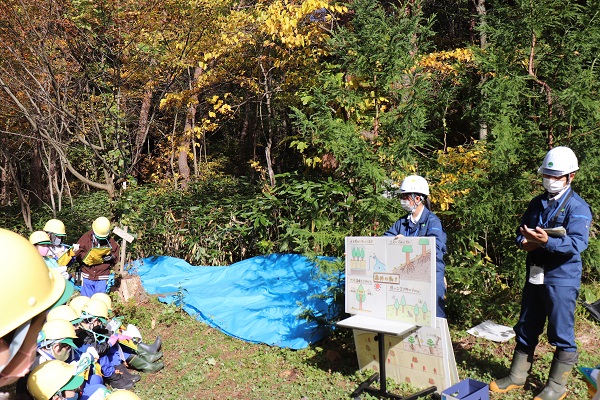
(16, 342)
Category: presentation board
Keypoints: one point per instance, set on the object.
(391, 278)
(390, 289)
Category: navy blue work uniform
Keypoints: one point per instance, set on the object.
(554, 299)
(427, 225)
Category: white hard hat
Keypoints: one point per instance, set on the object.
(559, 161)
(415, 184)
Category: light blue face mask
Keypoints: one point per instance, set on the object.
(16, 342)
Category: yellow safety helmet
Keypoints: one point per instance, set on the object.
(104, 298)
(55, 226)
(78, 302)
(52, 376)
(39, 237)
(96, 308)
(101, 227)
(28, 286)
(63, 312)
(57, 329)
(122, 395)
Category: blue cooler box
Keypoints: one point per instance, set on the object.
(469, 389)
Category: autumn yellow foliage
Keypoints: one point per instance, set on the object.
(449, 62)
(453, 164)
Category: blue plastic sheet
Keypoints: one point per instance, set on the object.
(258, 300)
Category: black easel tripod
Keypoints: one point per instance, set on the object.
(382, 391)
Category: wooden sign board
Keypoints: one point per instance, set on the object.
(123, 234)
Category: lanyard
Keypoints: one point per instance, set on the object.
(553, 216)
(407, 228)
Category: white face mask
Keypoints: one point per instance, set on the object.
(553, 185)
(407, 206)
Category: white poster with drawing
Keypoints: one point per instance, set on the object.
(391, 278)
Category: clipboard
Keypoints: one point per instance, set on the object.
(94, 256)
(66, 257)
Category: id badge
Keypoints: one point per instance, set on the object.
(536, 275)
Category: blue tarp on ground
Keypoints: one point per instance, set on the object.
(257, 300)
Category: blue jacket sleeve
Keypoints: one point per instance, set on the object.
(577, 226)
(395, 229)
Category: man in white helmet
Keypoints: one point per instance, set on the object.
(420, 221)
(554, 231)
(98, 253)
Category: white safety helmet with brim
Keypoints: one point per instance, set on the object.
(559, 161)
(415, 184)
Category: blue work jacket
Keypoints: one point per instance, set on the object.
(561, 256)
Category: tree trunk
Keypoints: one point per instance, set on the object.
(481, 11)
(188, 131)
(142, 131)
(36, 176)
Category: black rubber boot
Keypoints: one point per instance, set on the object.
(562, 364)
(134, 377)
(151, 348)
(141, 364)
(519, 370)
(119, 381)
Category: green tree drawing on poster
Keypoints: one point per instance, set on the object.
(407, 249)
(416, 311)
(361, 296)
(396, 306)
(403, 302)
(431, 345)
(425, 309)
(411, 340)
(423, 242)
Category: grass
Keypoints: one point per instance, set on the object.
(203, 363)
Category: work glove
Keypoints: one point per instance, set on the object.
(63, 272)
(93, 352)
(115, 338)
(107, 258)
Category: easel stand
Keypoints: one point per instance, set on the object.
(382, 391)
(381, 327)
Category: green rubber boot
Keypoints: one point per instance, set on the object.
(150, 357)
(519, 370)
(141, 364)
(562, 364)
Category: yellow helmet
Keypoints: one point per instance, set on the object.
(77, 303)
(63, 312)
(55, 226)
(104, 298)
(39, 237)
(96, 308)
(101, 227)
(57, 329)
(52, 376)
(122, 395)
(28, 286)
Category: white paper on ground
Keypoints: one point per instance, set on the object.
(492, 331)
